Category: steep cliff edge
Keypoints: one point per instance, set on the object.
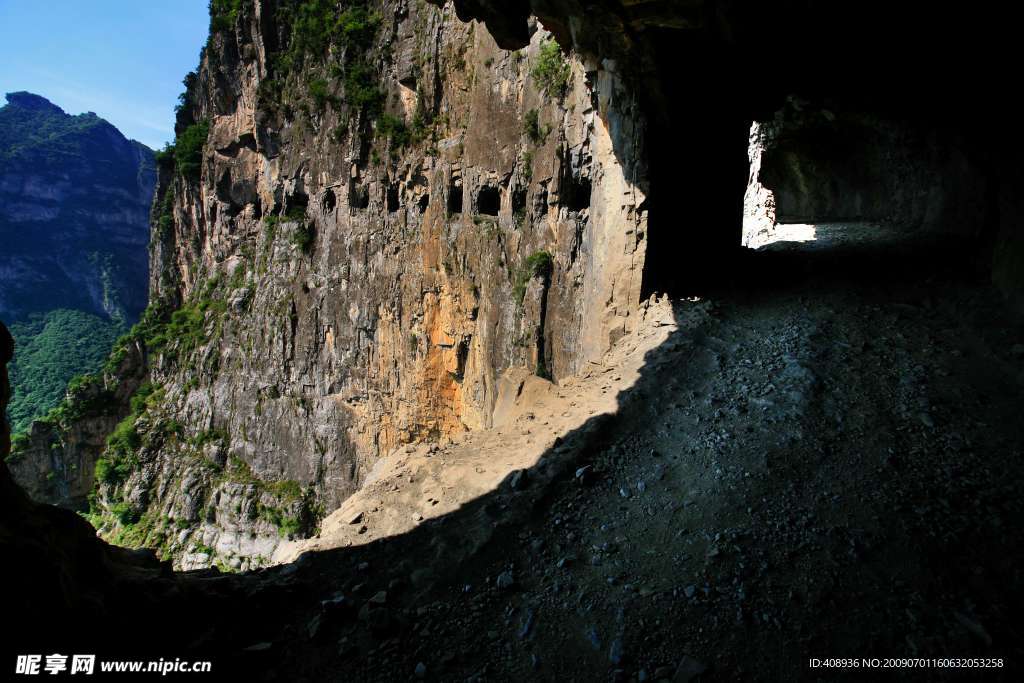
(827, 460)
(363, 224)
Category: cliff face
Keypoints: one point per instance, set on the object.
(375, 209)
(74, 207)
(352, 279)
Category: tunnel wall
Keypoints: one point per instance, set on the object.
(825, 166)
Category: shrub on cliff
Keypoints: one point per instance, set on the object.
(538, 264)
(188, 149)
(531, 126)
(318, 90)
(551, 72)
(303, 238)
(224, 14)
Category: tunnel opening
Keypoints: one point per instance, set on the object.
(329, 201)
(863, 189)
(488, 200)
(393, 199)
(358, 195)
(455, 196)
(574, 190)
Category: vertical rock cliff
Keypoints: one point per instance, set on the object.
(374, 209)
(365, 221)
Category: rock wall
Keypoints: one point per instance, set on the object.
(351, 294)
(369, 234)
(826, 165)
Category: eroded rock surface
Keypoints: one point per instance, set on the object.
(350, 281)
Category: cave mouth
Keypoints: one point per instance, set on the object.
(488, 201)
(844, 191)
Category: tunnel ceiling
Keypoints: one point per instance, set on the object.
(939, 59)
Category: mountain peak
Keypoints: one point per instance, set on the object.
(27, 100)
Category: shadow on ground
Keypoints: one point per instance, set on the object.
(912, 565)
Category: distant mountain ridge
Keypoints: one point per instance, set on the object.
(75, 197)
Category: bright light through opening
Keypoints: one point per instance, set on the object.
(759, 226)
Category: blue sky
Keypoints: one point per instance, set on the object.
(123, 59)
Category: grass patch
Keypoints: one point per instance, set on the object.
(538, 264)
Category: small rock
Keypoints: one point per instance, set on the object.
(421, 670)
(380, 598)
(688, 669)
(313, 627)
(690, 591)
(505, 580)
(356, 518)
(258, 647)
(527, 624)
(615, 652)
(518, 480)
(336, 602)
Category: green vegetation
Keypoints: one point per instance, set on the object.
(123, 513)
(224, 14)
(186, 156)
(551, 72)
(361, 90)
(186, 329)
(534, 131)
(188, 149)
(165, 219)
(119, 458)
(286, 491)
(303, 237)
(394, 129)
(43, 133)
(538, 264)
(209, 436)
(238, 277)
(317, 25)
(400, 135)
(318, 90)
(54, 348)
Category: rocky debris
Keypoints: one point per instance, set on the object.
(765, 513)
(505, 580)
(688, 670)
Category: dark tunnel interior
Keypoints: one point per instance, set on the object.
(905, 133)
